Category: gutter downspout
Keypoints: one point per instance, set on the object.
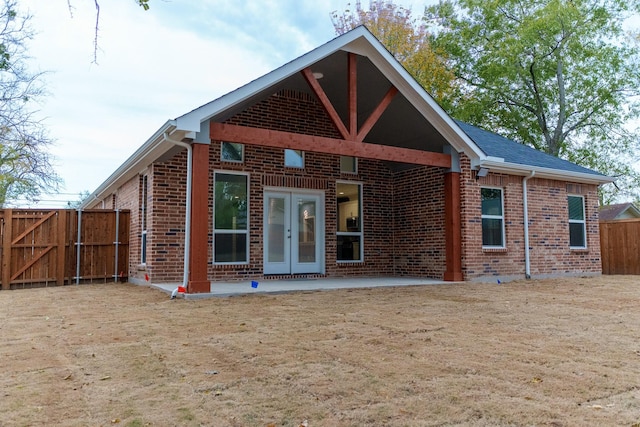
(117, 245)
(187, 219)
(527, 260)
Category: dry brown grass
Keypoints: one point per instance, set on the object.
(547, 353)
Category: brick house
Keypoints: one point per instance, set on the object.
(338, 164)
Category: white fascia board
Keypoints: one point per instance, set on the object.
(191, 121)
(138, 161)
(635, 210)
(417, 96)
(479, 162)
(557, 174)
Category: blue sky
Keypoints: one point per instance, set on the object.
(154, 66)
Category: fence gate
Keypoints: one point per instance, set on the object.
(620, 246)
(60, 247)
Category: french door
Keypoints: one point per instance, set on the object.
(293, 232)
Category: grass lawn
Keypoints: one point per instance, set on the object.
(562, 352)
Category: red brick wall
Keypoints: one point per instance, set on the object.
(550, 254)
(127, 197)
(403, 210)
(419, 252)
(288, 111)
(166, 212)
(265, 168)
(419, 215)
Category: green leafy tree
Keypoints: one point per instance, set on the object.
(25, 164)
(406, 39)
(143, 3)
(559, 75)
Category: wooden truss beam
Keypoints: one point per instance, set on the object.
(352, 133)
(318, 144)
(324, 100)
(353, 96)
(375, 115)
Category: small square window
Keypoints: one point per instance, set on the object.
(232, 152)
(294, 158)
(348, 164)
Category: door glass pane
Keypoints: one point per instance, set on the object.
(276, 229)
(306, 230)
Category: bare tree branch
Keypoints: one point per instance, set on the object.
(25, 165)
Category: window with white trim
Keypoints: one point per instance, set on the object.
(143, 219)
(294, 158)
(349, 233)
(348, 164)
(577, 223)
(232, 152)
(230, 223)
(492, 218)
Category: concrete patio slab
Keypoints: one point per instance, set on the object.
(226, 289)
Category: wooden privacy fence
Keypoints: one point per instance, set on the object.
(620, 246)
(62, 247)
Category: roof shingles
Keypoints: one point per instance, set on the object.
(513, 152)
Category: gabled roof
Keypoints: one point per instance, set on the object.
(619, 211)
(418, 121)
(413, 120)
(514, 153)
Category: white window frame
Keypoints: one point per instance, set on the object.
(224, 231)
(355, 166)
(302, 155)
(353, 233)
(231, 160)
(144, 219)
(500, 217)
(582, 221)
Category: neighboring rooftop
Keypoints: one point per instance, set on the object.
(619, 211)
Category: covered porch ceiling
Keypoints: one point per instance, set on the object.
(400, 125)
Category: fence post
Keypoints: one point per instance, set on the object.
(61, 255)
(6, 249)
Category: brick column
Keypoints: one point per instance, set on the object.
(453, 227)
(199, 247)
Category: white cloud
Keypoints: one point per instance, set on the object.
(154, 66)
(147, 73)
